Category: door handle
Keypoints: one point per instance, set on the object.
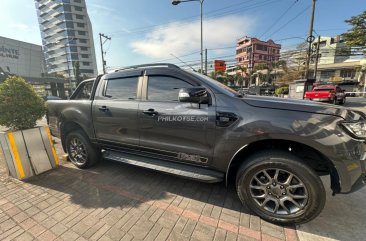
(151, 112)
(103, 108)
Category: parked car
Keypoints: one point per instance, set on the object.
(186, 124)
(50, 97)
(326, 93)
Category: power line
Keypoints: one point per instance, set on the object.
(278, 19)
(288, 22)
(207, 19)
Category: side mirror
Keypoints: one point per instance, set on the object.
(197, 95)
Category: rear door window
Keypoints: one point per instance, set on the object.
(122, 88)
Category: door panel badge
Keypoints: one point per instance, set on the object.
(193, 158)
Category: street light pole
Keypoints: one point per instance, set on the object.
(176, 2)
(201, 2)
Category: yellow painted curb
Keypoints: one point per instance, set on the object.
(52, 146)
(14, 149)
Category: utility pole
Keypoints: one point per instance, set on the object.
(101, 48)
(317, 58)
(205, 61)
(310, 39)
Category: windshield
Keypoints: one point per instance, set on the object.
(216, 83)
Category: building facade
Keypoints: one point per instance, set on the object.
(26, 60)
(336, 61)
(252, 51)
(67, 37)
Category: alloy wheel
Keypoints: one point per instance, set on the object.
(278, 191)
(78, 153)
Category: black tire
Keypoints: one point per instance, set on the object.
(334, 101)
(80, 151)
(343, 101)
(310, 188)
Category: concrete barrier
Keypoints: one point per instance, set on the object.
(28, 152)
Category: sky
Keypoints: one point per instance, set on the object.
(146, 31)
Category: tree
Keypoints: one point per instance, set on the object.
(20, 106)
(356, 36)
(77, 73)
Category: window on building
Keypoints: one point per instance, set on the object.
(260, 57)
(84, 48)
(77, 1)
(323, 44)
(122, 88)
(67, 8)
(83, 41)
(69, 24)
(81, 32)
(86, 63)
(261, 47)
(73, 49)
(68, 16)
(348, 73)
(327, 74)
(74, 56)
(78, 16)
(78, 8)
(165, 88)
(85, 56)
(70, 33)
(80, 25)
(278, 51)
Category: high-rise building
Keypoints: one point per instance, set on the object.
(67, 37)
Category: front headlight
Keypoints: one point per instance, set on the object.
(357, 129)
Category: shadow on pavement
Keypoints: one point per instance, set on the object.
(111, 184)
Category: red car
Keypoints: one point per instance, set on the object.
(326, 93)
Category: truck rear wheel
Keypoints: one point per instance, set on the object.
(81, 152)
(279, 188)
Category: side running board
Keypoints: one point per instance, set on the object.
(173, 168)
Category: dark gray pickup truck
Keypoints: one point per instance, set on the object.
(183, 123)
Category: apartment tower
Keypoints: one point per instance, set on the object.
(67, 37)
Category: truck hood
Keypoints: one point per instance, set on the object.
(303, 106)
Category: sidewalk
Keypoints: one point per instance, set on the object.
(113, 201)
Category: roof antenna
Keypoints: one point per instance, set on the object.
(187, 65)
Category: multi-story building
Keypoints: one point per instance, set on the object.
(67, 37)
(335, 60)
(252, 51)
(26, 60)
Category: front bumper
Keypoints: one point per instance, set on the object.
(358, 180)
(360, 183)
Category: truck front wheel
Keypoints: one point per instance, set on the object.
(81, 152)
(279, 188)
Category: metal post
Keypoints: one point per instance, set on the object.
(201, 1)
(317, 58)
(68, 68)
(205, 61)
(101, 49)
(310, 39)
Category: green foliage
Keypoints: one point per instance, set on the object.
(260, 67)
(356, 36)
(282, 90)
(20, 106)
(77, 73)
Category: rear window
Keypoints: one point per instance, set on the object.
(323, 89)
